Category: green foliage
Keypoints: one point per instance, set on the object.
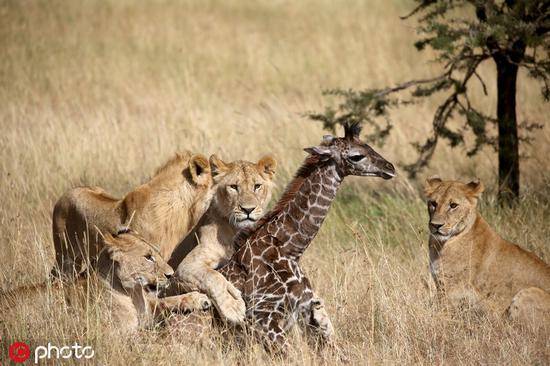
(366, 106)
(463, 34)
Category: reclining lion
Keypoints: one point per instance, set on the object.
(242, 192)
(162, 210)
(129, 272)
(470, 262)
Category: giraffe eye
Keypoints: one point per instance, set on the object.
(356, 158)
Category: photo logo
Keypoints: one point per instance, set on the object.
(51, 351)
(19, 352)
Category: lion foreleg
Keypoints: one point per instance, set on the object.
(180, 303)
(197, 271)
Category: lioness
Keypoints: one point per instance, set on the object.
(470, 261)
(129, 272)
(162, 210)
(243, 190)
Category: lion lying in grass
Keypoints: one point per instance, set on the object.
(162, 210)
(242, 192)
(470, 262)
(129, 272)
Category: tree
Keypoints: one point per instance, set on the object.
(464, 34)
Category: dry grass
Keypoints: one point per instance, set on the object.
(101, 92)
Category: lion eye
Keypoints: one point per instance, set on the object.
(257, 186)
(150, 258)
(356, 158)
(234, 187)
(432, 205)
(123, 230)
(453, 205)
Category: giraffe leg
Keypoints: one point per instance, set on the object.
(268, 326)
(320, 329)
(318, 321)
(315, 315)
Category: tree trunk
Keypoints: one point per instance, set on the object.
(508, 144)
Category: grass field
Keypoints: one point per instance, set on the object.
(102, 92)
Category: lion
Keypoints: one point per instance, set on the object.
(243, 190)
(129, 272)
(163, 210)
(470, 261)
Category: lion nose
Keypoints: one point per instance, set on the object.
(247, 210)
(435, 226)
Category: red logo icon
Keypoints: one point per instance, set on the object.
(19, 352)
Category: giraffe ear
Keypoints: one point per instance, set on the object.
(322, 151)
(327, 139)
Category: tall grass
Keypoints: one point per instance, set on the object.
(101, 92)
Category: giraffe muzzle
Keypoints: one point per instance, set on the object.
(387, 171)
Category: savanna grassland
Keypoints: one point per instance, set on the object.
(102, 92)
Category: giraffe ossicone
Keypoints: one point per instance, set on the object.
(265, 266)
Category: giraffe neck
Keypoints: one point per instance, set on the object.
(305, 214)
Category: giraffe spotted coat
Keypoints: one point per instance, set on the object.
(265, 266)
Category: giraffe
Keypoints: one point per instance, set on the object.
(265, 266)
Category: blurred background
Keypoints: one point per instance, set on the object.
(109, 89)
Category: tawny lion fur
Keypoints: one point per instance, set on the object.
(470, 262)
(242, 192)
(163, 210)
(128, 273)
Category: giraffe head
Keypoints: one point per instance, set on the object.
(352, 156)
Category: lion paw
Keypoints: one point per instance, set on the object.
(230, 304)
(194, 301)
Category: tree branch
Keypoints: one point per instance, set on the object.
(439, 121)
(481, 82)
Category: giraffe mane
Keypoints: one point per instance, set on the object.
(291, 189)
(352, 130)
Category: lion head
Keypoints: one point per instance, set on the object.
(188, 174)
(136, 262)
(242, 189)
(451, 206)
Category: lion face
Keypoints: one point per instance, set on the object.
(451, 206)
(137, 263)
(242, 189)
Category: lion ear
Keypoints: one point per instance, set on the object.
(475, 188)
(217, 165)
(111, 246)
(431, 184)
(199, 168)
(267, 166)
